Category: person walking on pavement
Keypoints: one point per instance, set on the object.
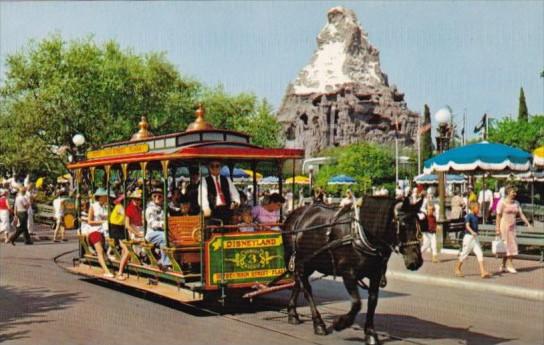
(58, 207)
(429, 233)
(30, 195)
(471, 243)
(5, 211)
(507, 211)
(21, 217)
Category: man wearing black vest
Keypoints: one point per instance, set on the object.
(219, 196)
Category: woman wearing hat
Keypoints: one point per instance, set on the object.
(154, 215)
(5, 210)
(97, 226)
(133, 223)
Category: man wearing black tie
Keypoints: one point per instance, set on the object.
(219, 196)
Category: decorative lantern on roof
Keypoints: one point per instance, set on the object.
(144, 132)
(199, 124)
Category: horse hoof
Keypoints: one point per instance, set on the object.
(320, 330)
(372, 339)
(294, 320)
(341, 323)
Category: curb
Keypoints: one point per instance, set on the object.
(519, 292)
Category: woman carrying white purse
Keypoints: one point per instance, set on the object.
(507, 211)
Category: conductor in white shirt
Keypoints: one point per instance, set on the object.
(219, 196)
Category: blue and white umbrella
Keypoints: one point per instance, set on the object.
(269, 180)
(237, 173)
(341, 179)
(482, 156)
(433, 179)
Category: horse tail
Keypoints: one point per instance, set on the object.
(288, 236)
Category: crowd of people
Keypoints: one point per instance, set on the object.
(221, 202)
(502, 209)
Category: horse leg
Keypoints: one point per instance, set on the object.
(371, 338)
(319, 325)
(344, 321)
(292, 314)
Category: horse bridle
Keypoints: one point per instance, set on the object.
(401, 244)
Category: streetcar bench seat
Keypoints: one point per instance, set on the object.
(184, 236)
(184, 232)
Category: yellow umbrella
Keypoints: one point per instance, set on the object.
(250, 173)
(298, 180)
(64, 178)
(39, 182)
(539, 156)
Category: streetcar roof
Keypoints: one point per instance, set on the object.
(199, 141)
(166, 148)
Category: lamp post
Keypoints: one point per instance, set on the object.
(311, 178)
(443, 117)
(78, 141)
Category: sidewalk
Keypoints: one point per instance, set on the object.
(44, 232)
(528, 283)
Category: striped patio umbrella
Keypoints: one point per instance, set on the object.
(298, 180)
(480, 157)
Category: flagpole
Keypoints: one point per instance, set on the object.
(419, 145)
(486, 124)
(464, 124)
(396, 151)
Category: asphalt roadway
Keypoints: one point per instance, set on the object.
(40, 303)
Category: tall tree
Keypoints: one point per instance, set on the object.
(54, 89)
(527, 135)
(523, 113)
(369, 163)
(426, 138)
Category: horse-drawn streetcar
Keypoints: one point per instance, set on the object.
(193, 252)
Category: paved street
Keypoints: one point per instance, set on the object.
(42, 304)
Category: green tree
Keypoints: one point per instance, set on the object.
(426, 138)
(523, 113)
(54, 89)
(370, 164)
(527, 135)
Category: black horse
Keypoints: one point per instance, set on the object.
(318, 238)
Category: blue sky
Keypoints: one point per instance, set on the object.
(471, 55)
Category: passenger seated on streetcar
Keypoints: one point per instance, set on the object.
(155, 224)
(269, 211)
(174, 206)
(133, 224)
(180, 205)
(117, 220)
(243, 218)
(97, 226)
(191, 191)
(133, 219)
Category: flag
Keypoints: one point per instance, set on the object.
(425, 128)
(480, 124)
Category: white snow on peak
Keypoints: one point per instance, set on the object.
(325, 73)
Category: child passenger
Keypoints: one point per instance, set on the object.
(471, 242)
(245, 223)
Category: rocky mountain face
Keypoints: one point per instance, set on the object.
(342, 96)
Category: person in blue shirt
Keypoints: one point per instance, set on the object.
(471, 243)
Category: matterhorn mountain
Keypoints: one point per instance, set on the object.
(342, 96)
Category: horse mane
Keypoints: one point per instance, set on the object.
(376, 216)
